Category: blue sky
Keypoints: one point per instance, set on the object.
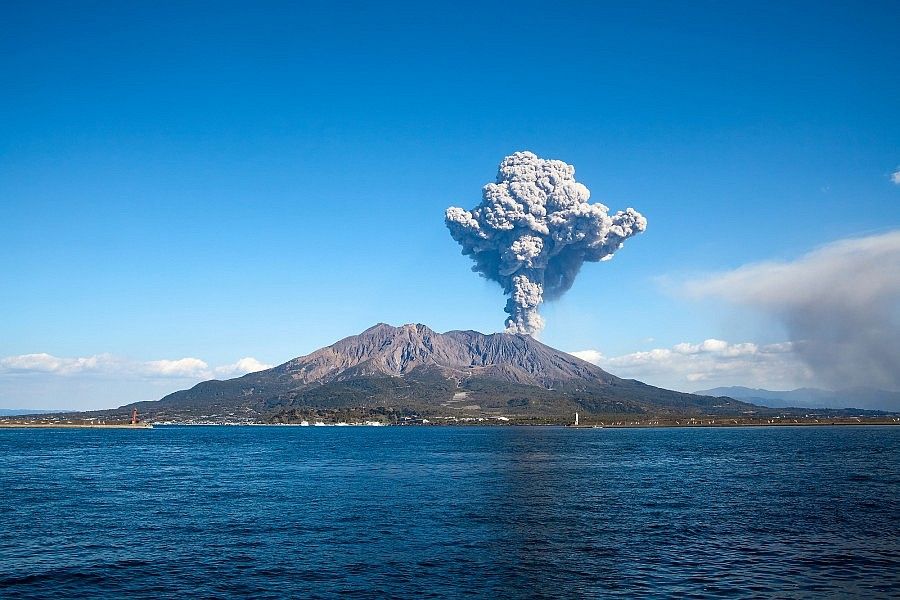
(226, 180)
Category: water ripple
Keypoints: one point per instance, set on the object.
(445, 512)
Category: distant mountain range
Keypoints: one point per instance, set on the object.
(13, 412)
(416, 370)
(864, 398)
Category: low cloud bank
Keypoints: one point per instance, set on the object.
(44, 381)
(709, 363)
(108, 364)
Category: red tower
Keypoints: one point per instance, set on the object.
(134, 416)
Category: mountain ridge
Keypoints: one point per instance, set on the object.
(395, 351)
(807, 397)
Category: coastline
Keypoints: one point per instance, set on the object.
(736, 425)
(74, 426)
(621, 424)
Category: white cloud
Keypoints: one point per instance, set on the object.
(840, 305)
(711, 363)
(183, 367)
(109, 365)
(47, 363)
(895, 176)
(245, 365)
(592, 356)
(44, 381)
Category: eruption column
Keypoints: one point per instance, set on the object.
(532, 232)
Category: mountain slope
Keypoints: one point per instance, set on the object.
(459, 372)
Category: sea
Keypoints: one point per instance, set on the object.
(450, 512)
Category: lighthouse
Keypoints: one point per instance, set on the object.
(576, 419)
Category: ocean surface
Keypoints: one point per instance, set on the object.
(440, 512)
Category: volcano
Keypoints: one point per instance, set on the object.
(412, 369)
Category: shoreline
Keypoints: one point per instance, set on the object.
(888, 421)
(733, 425)
(74, 426)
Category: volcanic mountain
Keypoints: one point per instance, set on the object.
(412, 369)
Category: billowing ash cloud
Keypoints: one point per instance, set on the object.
(532, 232)
(840, 304)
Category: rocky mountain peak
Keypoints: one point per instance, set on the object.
(389, 350)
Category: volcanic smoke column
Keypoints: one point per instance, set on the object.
(532, 232)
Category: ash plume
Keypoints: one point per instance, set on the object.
(840, 305)
(532, 232)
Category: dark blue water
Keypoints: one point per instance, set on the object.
(270, 512)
